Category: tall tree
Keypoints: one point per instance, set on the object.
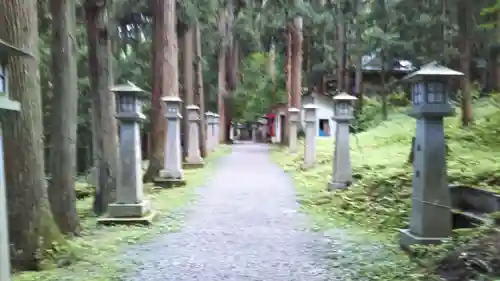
(31, 227)
(62, 155)
(159, 48)
(200, 94)
(465, 28)
(222, 78)
(104, 129)
(188, 79)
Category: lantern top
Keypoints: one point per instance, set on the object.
(311, 106)
(7, 50)
(209, 113)
(128, 87)
(432, 69)
(344, 97)
(171, 99)
(192, 107)
(293, 110)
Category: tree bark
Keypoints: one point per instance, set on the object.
(104, 129)
(222, 81)
(158, 124)
(188, 80)
(465, 26)
(200, 94)
(296, 77)
(32, 229)
(64, 118)
(341, 53)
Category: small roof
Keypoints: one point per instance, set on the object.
(432, 69)
(344, 96)
(7, 49)
(128, 87)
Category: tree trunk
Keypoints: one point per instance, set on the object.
(288, 81)
(465, 32)
(200, 94)
(188, 82)
(222, 82)
(62, 155)
(32, 229)
(341, 54)
(104, 129)
(271, 68)
(296, 77)
(157, 135)
(358, 76)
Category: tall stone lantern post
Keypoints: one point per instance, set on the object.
(431, 215)
(194, 159)
(6, 104)
(310, 119)
(172, 173)
(130, 205)
(217, 128)
(344, 113)
(211, 133)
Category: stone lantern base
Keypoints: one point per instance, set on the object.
(193, 165)
(140, 213)
(163, 181)
(407, 239)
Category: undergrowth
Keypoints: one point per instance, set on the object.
(379, 198)
(97, 254)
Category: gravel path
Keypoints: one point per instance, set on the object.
(245, 227)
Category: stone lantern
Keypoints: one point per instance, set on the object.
(172, 173)
(344, 113)
(6, 104)
(193, 159)
(310, 120)
(262, 123)
(130, 205)
(217, 127)
(294, 119)
(211, 133)
(431, 215)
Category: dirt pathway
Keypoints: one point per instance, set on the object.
(245, 226)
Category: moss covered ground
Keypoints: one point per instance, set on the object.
(379, 199)
(98, 254)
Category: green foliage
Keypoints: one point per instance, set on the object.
(256, 93)
(370, 116)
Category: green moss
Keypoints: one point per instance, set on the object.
(96, 255)
(379, 199)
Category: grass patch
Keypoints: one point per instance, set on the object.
(379, 200)
(97, 254)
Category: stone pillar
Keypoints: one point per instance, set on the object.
(294, 115)
(341, 170)
(213, 130)
(311, 121)
(254, 132)
(130, 205)
(231, 132)
(217, 128)
(431, 220)
(172, 173)
(5, 105)
(208, 126)
(193, 158)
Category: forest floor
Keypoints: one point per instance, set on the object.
(379, 200)
(98, 255)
